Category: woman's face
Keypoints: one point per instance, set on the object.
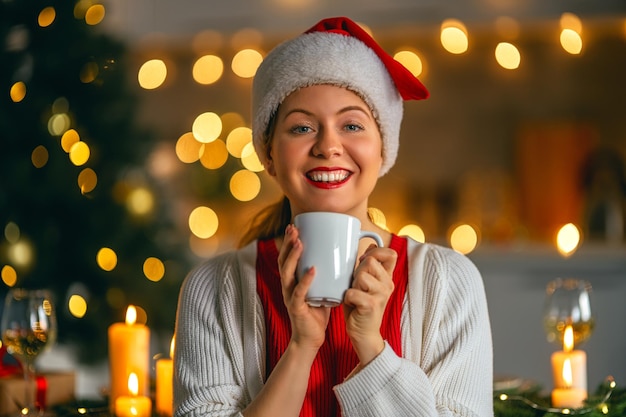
(326, 151)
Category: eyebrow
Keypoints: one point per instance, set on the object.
(341, 111)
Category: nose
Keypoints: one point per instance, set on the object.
(328, 143)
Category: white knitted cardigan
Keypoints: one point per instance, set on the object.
(446, 368)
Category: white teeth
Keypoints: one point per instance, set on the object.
(328, 176)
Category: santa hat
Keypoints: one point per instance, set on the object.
(336, 51)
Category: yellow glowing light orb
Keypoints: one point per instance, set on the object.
(237, 139)
(413, 231)
(46, 17)
(140, 201)
(77, 305)
(568, 239)
(18, 91)
(378, 217)
(245, 185)
(207, 127)
(454, 40)
(250, 159)
(571, 41)
(39, 156)
(58, 124)
(87, 180)
(21, 253)
(12, 232)
(571, 21)
(464, 239)
(9, 275)
(152, 74)
(106, 259)
(231, 120)
(246, 62)
(95, 14)
(69, 138)
(79, 153)
(89, 72)
(153, 269)
(203, 222)
(188, 148)
(208, 69)
(507, 55)
(214, 154)
(411, 61)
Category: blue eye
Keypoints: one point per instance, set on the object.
(353, 127)
(301, 129)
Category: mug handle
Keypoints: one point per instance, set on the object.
(372, 235)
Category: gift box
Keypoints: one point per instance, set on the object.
(51, 388)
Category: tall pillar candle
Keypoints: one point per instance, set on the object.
(569, 371)
(129, 352)
(164, 384)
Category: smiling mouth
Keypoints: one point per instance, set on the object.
(329, 177)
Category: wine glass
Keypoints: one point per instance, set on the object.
(28, 328)
(568, 303)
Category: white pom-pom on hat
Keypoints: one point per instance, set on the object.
(335, 51)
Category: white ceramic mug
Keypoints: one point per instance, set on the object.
(331, 245)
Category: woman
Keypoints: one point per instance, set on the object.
(412, 337)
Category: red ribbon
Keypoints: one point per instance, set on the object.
(7, 368)
(42, 390)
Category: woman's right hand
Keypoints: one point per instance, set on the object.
(308, 324)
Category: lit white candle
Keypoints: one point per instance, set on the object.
(133, 405)
(569, 369)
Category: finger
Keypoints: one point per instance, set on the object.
(385, 256)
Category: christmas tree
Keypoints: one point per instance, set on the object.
(72, 176)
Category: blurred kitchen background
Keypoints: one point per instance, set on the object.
(124, 127)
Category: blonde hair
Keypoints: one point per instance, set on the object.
(272, 220)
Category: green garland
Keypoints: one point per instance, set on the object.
(606, 401)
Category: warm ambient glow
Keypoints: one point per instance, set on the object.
(207, 127)
(152, 74)
(568, 239)
(39, 156)
(95, 14)
(203, 222)
(245, 185)
(507, 55)
(413, 231)
(188, 149)
(207, 69)
(214, 154)
(250, 159)
(463, 239)
(87, 180)
(411, 61)
(246, 62)
(140, 201)
(18, 91)
(46, 17)
(237, 139)
(454, 36)
(69, 138)
(9, 275)
(153, 269)
(79, 153)
(106, 259)
(77, 306)
(571, 41)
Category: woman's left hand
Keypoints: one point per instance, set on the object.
(365, 303)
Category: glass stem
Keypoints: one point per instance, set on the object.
(29, 384)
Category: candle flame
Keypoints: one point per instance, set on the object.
(568, 239)
(131, 315)
(567, 373)
(568, 339)
(172, 346)
(133, 384)
(133, 410)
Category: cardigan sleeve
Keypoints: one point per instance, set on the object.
(453, 375)
(209, 372)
